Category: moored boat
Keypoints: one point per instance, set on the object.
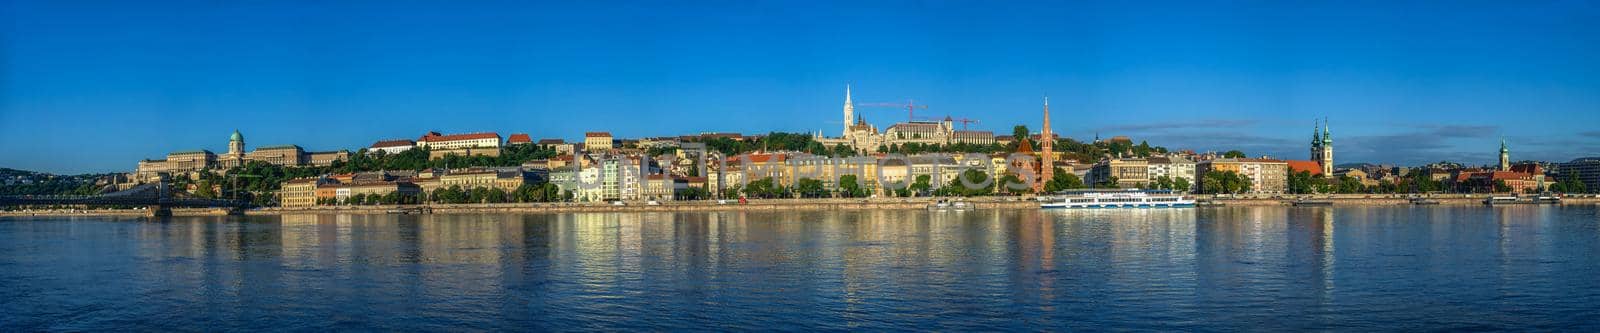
(1129, 198)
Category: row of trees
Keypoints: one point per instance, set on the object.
(1418, 182)
(417, 159)
(543, 192)
(1219, 182)
(391, 198)
(850, 186)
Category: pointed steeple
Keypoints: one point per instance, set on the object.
(1316, 133)
(1327, 138)
(849, 112)
(1503, 148)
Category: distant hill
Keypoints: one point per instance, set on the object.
(1353, 165)
(24, 182)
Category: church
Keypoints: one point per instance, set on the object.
(1321, 162)
(865, 138)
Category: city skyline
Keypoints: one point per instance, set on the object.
(94, 93)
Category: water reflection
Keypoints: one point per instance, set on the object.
(1398, 268)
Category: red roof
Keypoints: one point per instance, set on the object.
(519, 138)
(597, 134)
(434, 137)
(393, 143)
(759, 158)
(1308, 166)
(1499, 175)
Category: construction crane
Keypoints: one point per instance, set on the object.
(910, 105)
(964, 122)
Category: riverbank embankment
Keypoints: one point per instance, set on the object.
(780, 204)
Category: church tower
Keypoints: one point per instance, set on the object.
(849, 112)
(1326, 160)
(1505, 156)
(1316, 141)
(1047, 169)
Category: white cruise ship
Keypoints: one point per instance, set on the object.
(1109, 198)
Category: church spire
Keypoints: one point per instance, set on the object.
(1327, 138)
(849, 112)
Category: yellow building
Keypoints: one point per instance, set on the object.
(504, 180)
(1129, 172)
(1267, 176)
(597, 141)
(299, 192)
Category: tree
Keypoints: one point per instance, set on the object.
(1019, 132)
(1233, 154)
(205, 189)
(850, 187)
(764, 188)
(1181, 184)
(692, 193)
(1500, 186)
(495, 195)
(810, 188)
(1217, 182)
(921, 186)
(1063, 180)
(1301, 183)
(1011, 180)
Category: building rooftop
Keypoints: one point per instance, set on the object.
(275, 147)
(1305, 165)
(597, 135)
(393, 143)
(519, 138)
(436, 137)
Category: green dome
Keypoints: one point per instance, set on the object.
(236, 136)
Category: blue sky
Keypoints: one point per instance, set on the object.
(95, 86)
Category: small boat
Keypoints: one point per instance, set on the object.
(949, 205)
(1424, 201)
(405, 211)
(1501, 200)
(1130, 198)
(1311, 203)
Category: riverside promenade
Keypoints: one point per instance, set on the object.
(784, 204)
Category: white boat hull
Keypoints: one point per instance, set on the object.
(1049, 205)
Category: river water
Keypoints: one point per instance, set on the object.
(1200, 269)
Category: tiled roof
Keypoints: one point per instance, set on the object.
(394, 143)
(1308, 166)
(552, 141)
(519, 138)
(597, 134)
(187, 152)
(458, 137)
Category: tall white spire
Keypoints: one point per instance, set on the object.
(849, 113)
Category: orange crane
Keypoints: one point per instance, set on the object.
(910, 105)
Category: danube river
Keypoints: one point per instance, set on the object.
(1203, 269)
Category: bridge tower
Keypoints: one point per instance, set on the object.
(159, 209)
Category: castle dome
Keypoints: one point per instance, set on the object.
(236, 136)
